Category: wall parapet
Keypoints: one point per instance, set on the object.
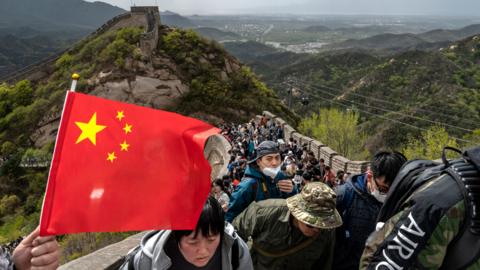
(331, 157)
(107, 258)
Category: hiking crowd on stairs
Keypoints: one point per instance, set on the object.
(298, 213)
(280, 207)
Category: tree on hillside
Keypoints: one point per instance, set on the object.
(337, 129)
(472, 138)
(430, 144)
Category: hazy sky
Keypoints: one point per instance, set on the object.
(415, 7)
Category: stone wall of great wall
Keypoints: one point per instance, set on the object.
(332, 158)
(147, 17)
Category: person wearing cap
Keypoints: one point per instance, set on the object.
(297, 233)
(262, 180)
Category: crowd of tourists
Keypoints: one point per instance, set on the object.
(281, 207)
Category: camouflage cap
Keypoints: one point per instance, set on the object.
(316, 206)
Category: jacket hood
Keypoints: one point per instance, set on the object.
(360, 183)
(250, 170)
(152, 245)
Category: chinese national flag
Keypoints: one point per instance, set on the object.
(121, 167)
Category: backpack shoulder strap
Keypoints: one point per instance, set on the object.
(467, 177)
(128, 260)
(255, 187)
(235, 255)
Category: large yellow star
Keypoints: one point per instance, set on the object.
(124, 146)
(120, 115)
(127, 128)
(89, 130)
(111, 157)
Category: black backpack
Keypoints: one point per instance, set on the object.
(464, 249)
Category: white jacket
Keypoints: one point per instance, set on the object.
(152, 254)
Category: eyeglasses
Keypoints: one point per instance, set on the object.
(381, 188)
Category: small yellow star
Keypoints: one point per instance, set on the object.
(127, 128)
(111, 157)
(120, 115)
(89, 130)
(124, 146)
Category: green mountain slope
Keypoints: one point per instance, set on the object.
(417, 88)
(55, 14)
(32, 30)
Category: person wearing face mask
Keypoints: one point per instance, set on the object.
(293, 234)
(262, 180)
(359, 201)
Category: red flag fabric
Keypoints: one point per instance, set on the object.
(122, 167)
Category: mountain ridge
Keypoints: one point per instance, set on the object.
(55, 15)
(430, 40)
(421, 88)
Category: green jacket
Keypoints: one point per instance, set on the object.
(269, 225)
(418, 236)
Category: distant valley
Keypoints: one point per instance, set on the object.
(70, 20)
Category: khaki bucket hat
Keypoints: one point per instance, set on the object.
(315, 206)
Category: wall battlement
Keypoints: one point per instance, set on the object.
(332, 158)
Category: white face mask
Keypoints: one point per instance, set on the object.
(272, 172)
(379, 196)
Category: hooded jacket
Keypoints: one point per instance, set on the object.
(266, 188)
(359, 210)
(152, 254)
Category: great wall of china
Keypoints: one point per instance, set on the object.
(216, 149)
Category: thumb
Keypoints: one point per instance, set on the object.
(29, 239)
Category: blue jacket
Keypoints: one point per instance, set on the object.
(266, 189)
(359, 210)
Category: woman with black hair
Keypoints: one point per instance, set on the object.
(220, 192)
(213, 245)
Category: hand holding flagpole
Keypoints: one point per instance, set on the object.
(75, 78)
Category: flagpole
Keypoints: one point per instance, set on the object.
(75, 78)
(46, 215)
